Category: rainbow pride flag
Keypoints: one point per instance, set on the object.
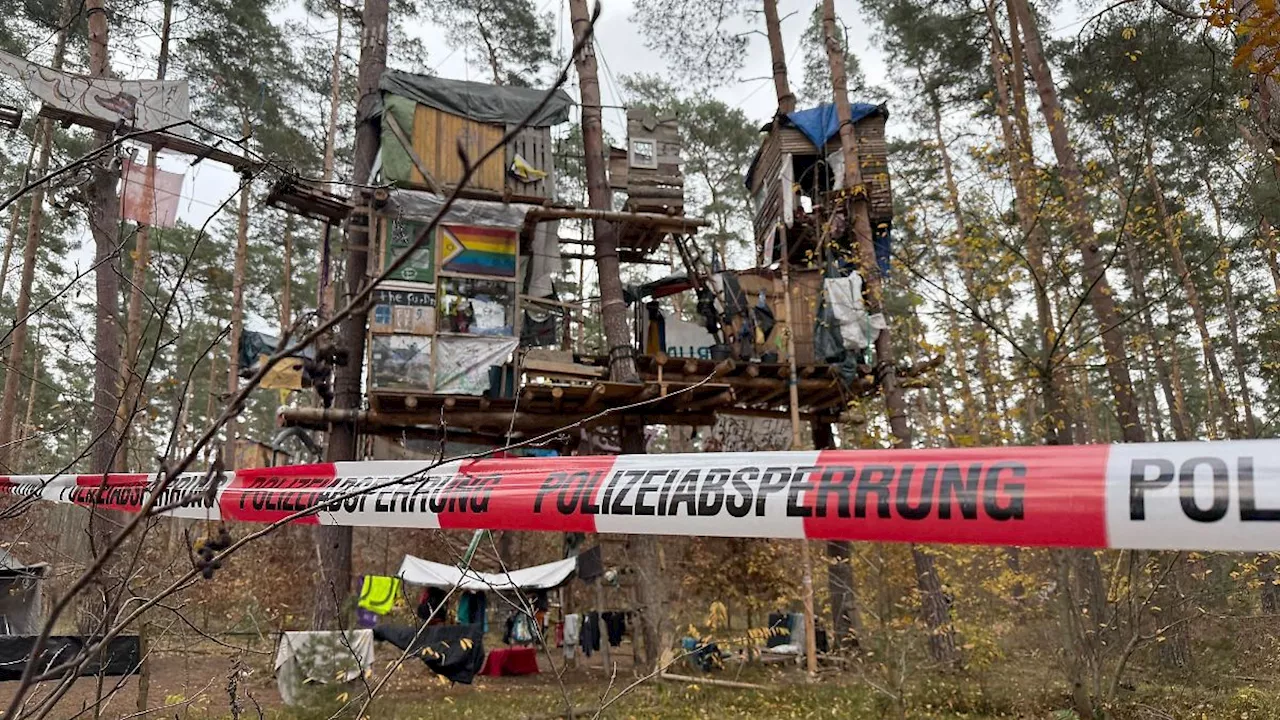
(478, 250)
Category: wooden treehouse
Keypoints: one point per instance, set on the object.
(468, 337)
(800, 165)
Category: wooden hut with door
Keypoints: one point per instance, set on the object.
(800, 162)
(427, 121)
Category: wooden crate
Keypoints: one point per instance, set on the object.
(534, 145)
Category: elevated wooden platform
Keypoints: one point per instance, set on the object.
(157, 140)
(301, 197)
(673, 391)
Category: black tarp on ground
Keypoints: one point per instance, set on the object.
(441, 647)
(121, 657)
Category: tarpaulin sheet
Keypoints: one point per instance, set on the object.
(498, 105)
(1175, 496)
(320, 657)
(121, 657)
(454, 652)
(821, 123)
(417, 571)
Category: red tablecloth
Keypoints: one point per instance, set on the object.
(511, 661)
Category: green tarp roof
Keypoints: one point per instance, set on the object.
(499, 105)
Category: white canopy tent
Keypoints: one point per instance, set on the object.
(433, 574)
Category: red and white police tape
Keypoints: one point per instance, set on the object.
(1190, 496)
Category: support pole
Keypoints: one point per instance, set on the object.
(806, 560)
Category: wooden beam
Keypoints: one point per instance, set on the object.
(597, 394)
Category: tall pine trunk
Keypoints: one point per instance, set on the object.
(238, 270)
(333, 543)
(1019, 151)
(654, 620)
(1096, 286)
(967, 262)
(35, 218)
(857, 210)
(778, 58)
(131, 395)
(1233, 321)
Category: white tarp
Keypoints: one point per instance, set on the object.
(845, 296)
(417, 571)
(462, 363)
(303, 658)
(138, 104)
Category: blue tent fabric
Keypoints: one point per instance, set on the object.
(820, 124)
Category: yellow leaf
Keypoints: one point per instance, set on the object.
(1128, 33)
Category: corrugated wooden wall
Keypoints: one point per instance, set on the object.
(436, 136)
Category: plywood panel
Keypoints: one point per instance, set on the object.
(437, 137)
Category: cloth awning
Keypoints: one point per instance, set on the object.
(433, 574)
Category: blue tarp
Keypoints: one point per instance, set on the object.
(820, 124)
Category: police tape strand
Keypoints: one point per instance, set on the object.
(1178, 496)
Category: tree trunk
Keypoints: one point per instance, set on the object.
(334, 543)
(1096, 286)
(967, 264)
(15, 210)
(778, 56)
(622, 366)
(96, 607)
(286, 280)
(104, 224)
(1019, 151)
(655, 623)
(237, 309)
(31, 405)
(1164, 372)
(857, 212)
(35, 217)
(1233, 321)
(131, 395)
(846, 625)
(1174, 236)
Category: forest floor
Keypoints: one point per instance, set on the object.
(194, 685)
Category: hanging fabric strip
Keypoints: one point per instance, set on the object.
(1189, 496)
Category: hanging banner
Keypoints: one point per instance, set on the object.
(734, 433)
(1175, 496)
(150, 196)
(137, 104)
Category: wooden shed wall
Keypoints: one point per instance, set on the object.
(436, 137)
(534, 145)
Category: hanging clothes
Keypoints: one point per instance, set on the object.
(590, 636)
(572, 634)
(655, 340)
(378, 593)
(472, 609)
(615, 625)
(845, 296)
(431, 606)
(590, 564)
